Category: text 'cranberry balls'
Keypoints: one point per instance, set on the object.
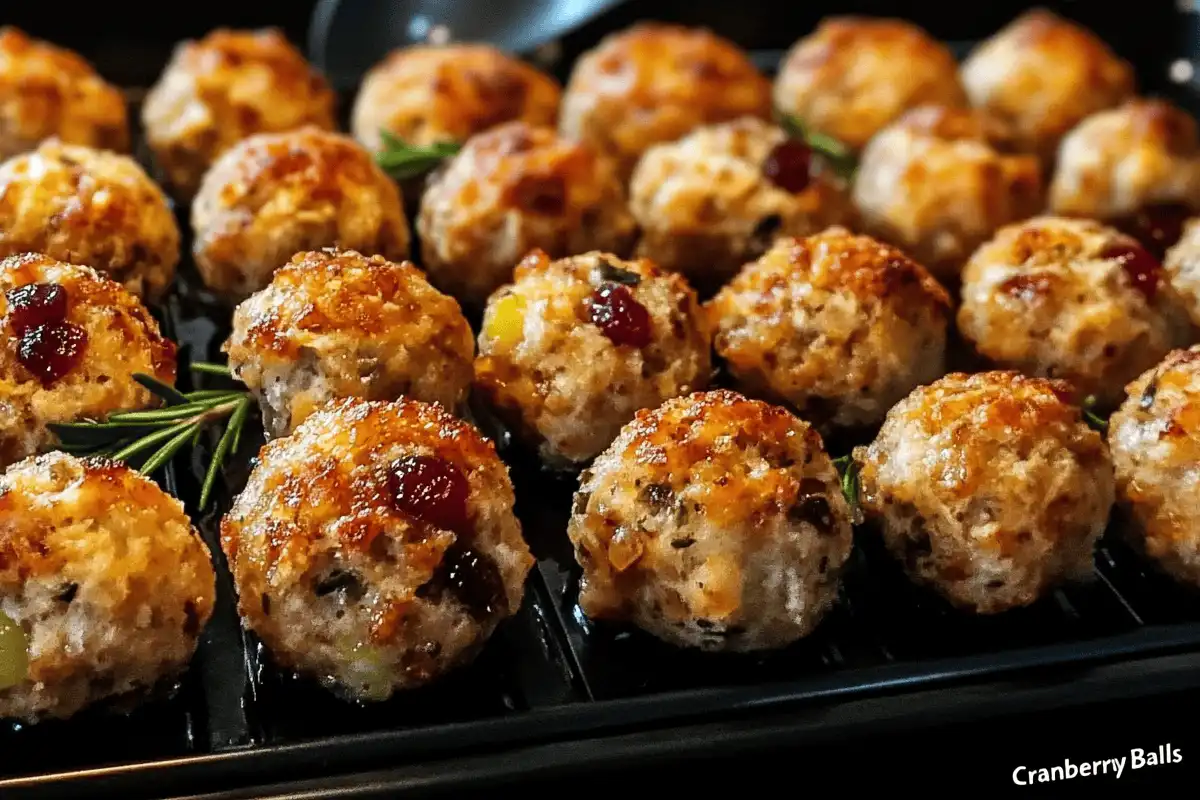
(273, 195)
(714, 522)
(340, 324)
(1136, 167)
(854, 75)
(376, 547)
(49, 92)
(73, 340)
(655, 82)
(839, 326)
(573, 348)
(91, 207)
(935, 184)
(1042, 75)
(1155, 441)
(721, 195)
(218, 90)
(428, 94)
(989, 489)
(1071, 299)
(514, 189)
(104, 586)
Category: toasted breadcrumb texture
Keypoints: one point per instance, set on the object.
(990, 489)
(1064, 298)
(558, 380)
(510, 190)
(341, 324)
(344, 585)
(1155, 441)
(219, 89)
(838, 325)
(655, 82)
(50, 92)
(92, 207)
(273, 195)
(106, 577)
(1043, 74)
(705, 205)
(121, 339)
(854, 75)
(425, 94)
(938, 184)
(714, 522)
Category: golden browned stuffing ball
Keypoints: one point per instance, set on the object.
(376, 547)
(73, 340)
(93, 207)
(573, 348)
(1042, 75)
(720, 196)
(49, 92)
(222, 88)
(427, 94)
(839, 326)
(273, 195)
(935, 184)
(655, 82)
(1136, 166)
(1155, 442)
(104, 586)
(510, 190)
(989, 489)
(1072, 299)
(854, 75)
(714, 522)
(339, 324)
(1183, 268)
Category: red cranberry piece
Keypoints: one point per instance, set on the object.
(1157, 227)
(51, 350)
(1143, 269)
(788, 166)
(618, 314)
(36, 304)
(431, 489)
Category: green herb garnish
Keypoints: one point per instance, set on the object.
(154, 436)
(848, 469)
(404, 161)
(837, 155)
(1093, 419)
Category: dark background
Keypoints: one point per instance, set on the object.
(130, 42)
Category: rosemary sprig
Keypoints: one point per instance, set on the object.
(838, 156)
(163, 432)
(1093, 419)
(404, 161)
(849, 472)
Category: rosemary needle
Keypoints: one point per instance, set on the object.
(167, 452)
(404, 161)
(209, 368)
(224, 446)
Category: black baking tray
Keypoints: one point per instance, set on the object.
(553, 692)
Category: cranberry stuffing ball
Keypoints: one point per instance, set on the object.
(73, 340)
(573, 348)
(375, 549)
(836, 325)
(989, 489)
(512, 189)
(720, 196)
(1072, 299)
(714, 522)
(1137, 167)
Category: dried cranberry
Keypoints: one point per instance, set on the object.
(51, 350)
(36, 304)
(788, 166)
(618, 314)
(431, 489)
(472, 577)
(1143, 269)
(1157, 227)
